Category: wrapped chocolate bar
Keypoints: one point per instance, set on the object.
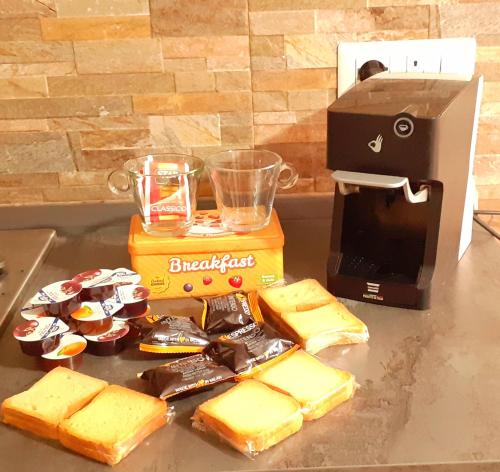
(225, 313)
(185, 376)
(169, 335)
(250, 349)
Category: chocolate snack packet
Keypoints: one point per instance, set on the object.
(225, 313)
(169, 335)
(250, 349)
(185, 376)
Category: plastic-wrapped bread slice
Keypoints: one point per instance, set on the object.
(299, 296)
(56, 396)
(251, 417)
(113, 424)
(328, 325)
(317, 387)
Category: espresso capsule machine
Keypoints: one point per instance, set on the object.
(401, 151)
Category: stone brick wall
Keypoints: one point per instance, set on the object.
(88, 84)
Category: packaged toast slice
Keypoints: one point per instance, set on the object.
(251, 417)
(55, 397)
(317, 387)
(319, 328)
(299, 296)
(113, 424)
(250, 349)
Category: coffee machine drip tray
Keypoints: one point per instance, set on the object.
(383, 237)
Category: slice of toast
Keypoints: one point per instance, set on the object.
(328, 325)
(55, 397)
(113, 424)
(250, 416)
(299, 296)
(317, 387)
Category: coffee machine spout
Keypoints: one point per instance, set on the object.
(349, 182)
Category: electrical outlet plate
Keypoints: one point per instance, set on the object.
(439, 56)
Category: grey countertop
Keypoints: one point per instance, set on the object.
(429, 384)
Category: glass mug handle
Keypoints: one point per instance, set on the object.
(291, 180)
(118, 181)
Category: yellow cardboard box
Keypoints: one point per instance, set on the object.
(207, 260)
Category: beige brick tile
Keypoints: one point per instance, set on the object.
(312, 116)
(487, 170)
(15, 52)
(281, 22)
(77, 29)
(185, 131)
(267, 45)
(289, 134)
(303, 185)
(268, 62)
(28, 152)
(95, 123)
(232, 80)
(203, 46)
(274, 118)
(199, 17)
(259, 5)
(77, 8)
(20, 195)
(64, 107)
(19, 29)
(120, 56)
(491, 92)
(43, 68)
(26, 8)
(193, 103)
(311, 51)
(115, 139)
(489, 192)
(228, 63)
(490, 109)
(203, 152)
(194, 81)
(308, 99)
(236, 119)
(237, 135)
(23, 87)
(468, 19)
(323, 181)
(362, 20)
(69, 179)
(302, 156)
(106, 159)
(393, 35)
(35, 180)
(488, 136)
(189, 64)
(306, 79)
(24, 125)
(83, 193)
(112, 84)
(269, 101)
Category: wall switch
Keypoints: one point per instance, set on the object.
(439, 56)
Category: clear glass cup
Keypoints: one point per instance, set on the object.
(245, 182)
(164, 187)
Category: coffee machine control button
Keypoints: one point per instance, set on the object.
(403, 127)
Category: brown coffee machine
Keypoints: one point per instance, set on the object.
(401, 151)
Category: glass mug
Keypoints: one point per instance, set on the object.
(164, 187)
(245, 182)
